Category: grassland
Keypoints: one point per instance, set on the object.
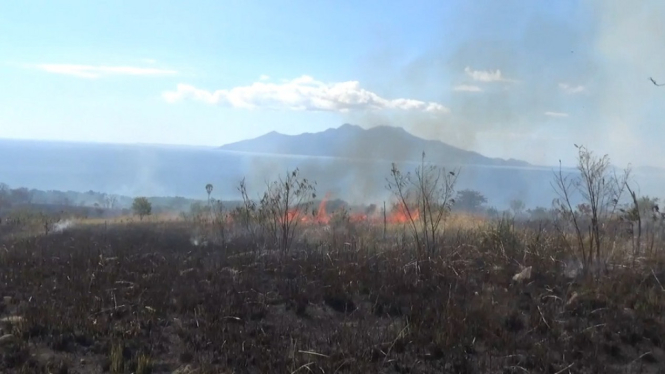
(141, 297)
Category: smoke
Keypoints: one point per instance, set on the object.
(531, 86)
(527, 82)
(146, 165)
(198, 241)
(630, 41)
(577, 74)
(495, 117)
(61, 226)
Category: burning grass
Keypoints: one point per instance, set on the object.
(141, 297)
(399, 214)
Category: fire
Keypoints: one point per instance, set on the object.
(320, 217)
(292, 215)
(358, 217)
(321, 213)
(399, 214)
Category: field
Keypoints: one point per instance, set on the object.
(141, 297)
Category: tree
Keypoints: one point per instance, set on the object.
(109, 201)
(425, 197)
(517, 206)
(4, 196)
(470, 200)
(493, 212)
(640, 207)
(539, 213)
(20, 196)
(209, 191)
(141, 207)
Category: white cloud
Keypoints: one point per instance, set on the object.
(556, 114)
(303, 93)
(467, 88)
(264, 77)
(88, 71)
(486, 76)
(565, 87)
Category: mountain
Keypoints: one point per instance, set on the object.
(377, 143)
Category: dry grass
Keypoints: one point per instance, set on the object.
(142, 298)
(465, 221)
(126, 219)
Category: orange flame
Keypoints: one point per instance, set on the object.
(321, 213)
(399, 214)
(358, 217)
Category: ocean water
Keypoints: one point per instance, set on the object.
(163, 170)
(151, 170)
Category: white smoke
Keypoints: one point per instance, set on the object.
(62, 225)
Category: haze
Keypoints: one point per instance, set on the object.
(507, 79)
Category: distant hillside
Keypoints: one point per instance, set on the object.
(378, 143)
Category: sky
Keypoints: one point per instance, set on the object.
(508, 79)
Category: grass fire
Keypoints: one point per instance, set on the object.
(332, 187)
(286, 283)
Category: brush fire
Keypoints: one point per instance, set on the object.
(396, 213)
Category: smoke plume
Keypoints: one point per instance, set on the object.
(578, 77)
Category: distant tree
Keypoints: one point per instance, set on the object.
(517, 206)
(178, 203)
(109, 201)
(539, 213)
(492, 212)
(643, 207)
(21, 195)
(209, 191)
(196, 208)
(470, 200)
(98, 209)
(141, 207)
(4, 195)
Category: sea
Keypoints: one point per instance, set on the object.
(168, 170)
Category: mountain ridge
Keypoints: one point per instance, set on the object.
(377, 143)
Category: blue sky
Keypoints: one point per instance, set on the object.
(508, 79)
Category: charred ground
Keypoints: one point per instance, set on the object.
(142, 298)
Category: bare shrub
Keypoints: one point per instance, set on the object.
(284, 204)
(426, 197)
(245, 215)
(600, 189)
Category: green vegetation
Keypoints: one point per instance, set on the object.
(141, 207)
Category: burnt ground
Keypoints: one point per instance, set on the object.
(144, 299)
